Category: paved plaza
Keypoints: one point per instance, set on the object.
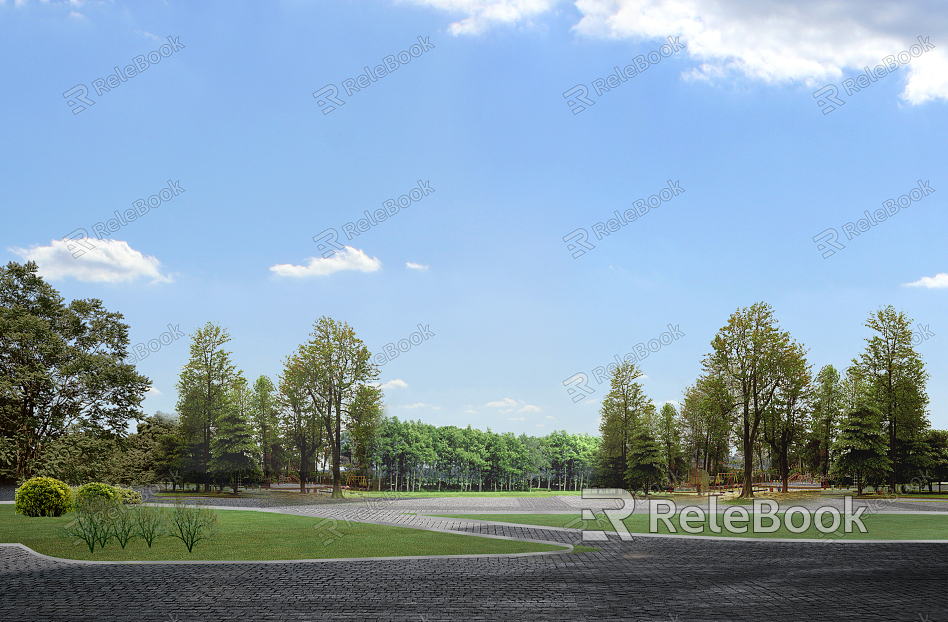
(648, 578)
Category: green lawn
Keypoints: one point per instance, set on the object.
(260, 536)
(878, 526)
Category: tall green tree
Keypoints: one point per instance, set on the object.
(827, 405)
(300, 419)
(896, 376)
(263, 414)
(787, 418)
(625, 409)
(202, 389)
(748, 354)
(706, 419)
(336, 364)
(669, 438)
(61, 368)
(646, 466)
(233, 450)
(937, 441)
(365, 416)
(861, 447)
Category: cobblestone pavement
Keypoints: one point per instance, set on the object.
(654, 579)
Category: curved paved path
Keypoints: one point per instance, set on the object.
(656, 579)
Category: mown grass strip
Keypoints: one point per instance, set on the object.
(244, 536)
(878, 526)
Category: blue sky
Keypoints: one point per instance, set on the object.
(228, 116)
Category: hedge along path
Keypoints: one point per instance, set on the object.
(562, 547)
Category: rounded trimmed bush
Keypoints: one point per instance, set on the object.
(128, 496)
(97, 489)
(43, 496)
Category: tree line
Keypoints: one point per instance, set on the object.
(757, 393)
(67, 396)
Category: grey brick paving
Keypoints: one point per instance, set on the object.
(654, 579)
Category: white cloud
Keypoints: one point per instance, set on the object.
(110, 261)
(540, 425)
(482, 14)
(772, 41)
(508, 405)
(76, 15)
(394, 384)
(346, 259)
(931, 282)
(415, 405)
(415, 266)
(153, 391)
(780, 41)
(470, 412)
(148, 34)
(550, 417)
(506, 402)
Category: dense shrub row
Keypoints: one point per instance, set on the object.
(46, 496)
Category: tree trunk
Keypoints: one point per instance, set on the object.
(336, 448)
(302, 464)
(748, 491)
(785, 471)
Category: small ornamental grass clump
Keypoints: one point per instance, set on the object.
(43, 496)
(94, 522)
(192, 523)
(150, 523)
